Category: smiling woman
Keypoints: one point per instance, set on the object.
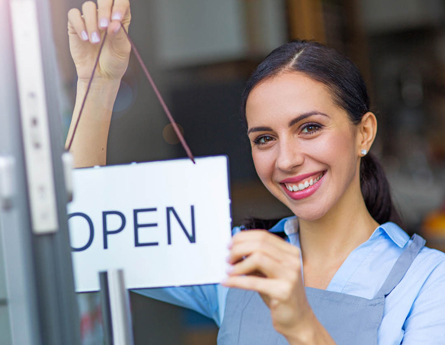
(308, 120)
(346, 272)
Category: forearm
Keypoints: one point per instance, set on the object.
(89, 146)
(310, 332)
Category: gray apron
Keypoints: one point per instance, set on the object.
(350, 320)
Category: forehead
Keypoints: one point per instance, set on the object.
(286, 95)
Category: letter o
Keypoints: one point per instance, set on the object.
(90, 223)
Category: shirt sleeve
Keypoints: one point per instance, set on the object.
(425, 323)
(208, 300)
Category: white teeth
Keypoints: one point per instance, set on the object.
(302, 186)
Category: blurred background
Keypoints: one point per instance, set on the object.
(201, 52)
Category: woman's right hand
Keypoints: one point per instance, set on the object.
(86, 31)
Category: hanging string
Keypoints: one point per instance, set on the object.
(86, 94)
(153, 85)
(161, 100)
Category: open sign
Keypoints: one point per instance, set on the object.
(165, 223)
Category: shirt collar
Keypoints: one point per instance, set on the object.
(289, 226)
(394, 232)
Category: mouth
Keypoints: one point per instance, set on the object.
(304, 188)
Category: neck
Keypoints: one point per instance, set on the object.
(333, 237)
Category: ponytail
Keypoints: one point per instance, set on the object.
(376, 191)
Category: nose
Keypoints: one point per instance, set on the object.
(290, 155)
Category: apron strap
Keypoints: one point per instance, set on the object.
(401, 266)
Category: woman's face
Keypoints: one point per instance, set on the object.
(304, 146)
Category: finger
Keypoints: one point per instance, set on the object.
(104, 13)
(260, 235)
(89, 10)
(273, 288)
(76, 24)
(120, 14)
(243, 249)
(120, 10)
(258, 262)
(249, 241)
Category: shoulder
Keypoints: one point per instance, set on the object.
(430, 263)
(416, 305)
(425, 321)
(427, 259)
(424, 282)
(425, 270)
(428, 268)
(431, 256)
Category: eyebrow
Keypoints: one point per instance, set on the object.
(291, 123)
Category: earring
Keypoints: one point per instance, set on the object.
(364, 152)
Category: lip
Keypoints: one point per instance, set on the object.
(301, 177)
(303, 193)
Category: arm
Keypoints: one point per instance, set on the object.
(86, 31)
(89, 146)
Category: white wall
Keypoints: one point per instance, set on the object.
(192, 32)
(199, 31)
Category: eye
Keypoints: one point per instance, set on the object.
(310, 128)
(262, 140)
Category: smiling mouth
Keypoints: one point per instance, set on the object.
(302, 185)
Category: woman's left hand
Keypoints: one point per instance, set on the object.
(265, 263)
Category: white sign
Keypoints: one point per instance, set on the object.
(164, 223)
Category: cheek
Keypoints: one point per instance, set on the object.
(264, 164)
(339, 152)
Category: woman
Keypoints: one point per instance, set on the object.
(363, 280)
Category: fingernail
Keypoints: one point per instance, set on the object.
(228, 259)
(104, 23)
(117, 29)
(229, 269)
(117, 16)
(229, 246)
(95, 38)
(84, 35)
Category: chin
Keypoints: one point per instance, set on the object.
(309, 213)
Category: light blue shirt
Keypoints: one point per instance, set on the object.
(414, 311)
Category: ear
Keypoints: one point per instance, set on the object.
(366, 132)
